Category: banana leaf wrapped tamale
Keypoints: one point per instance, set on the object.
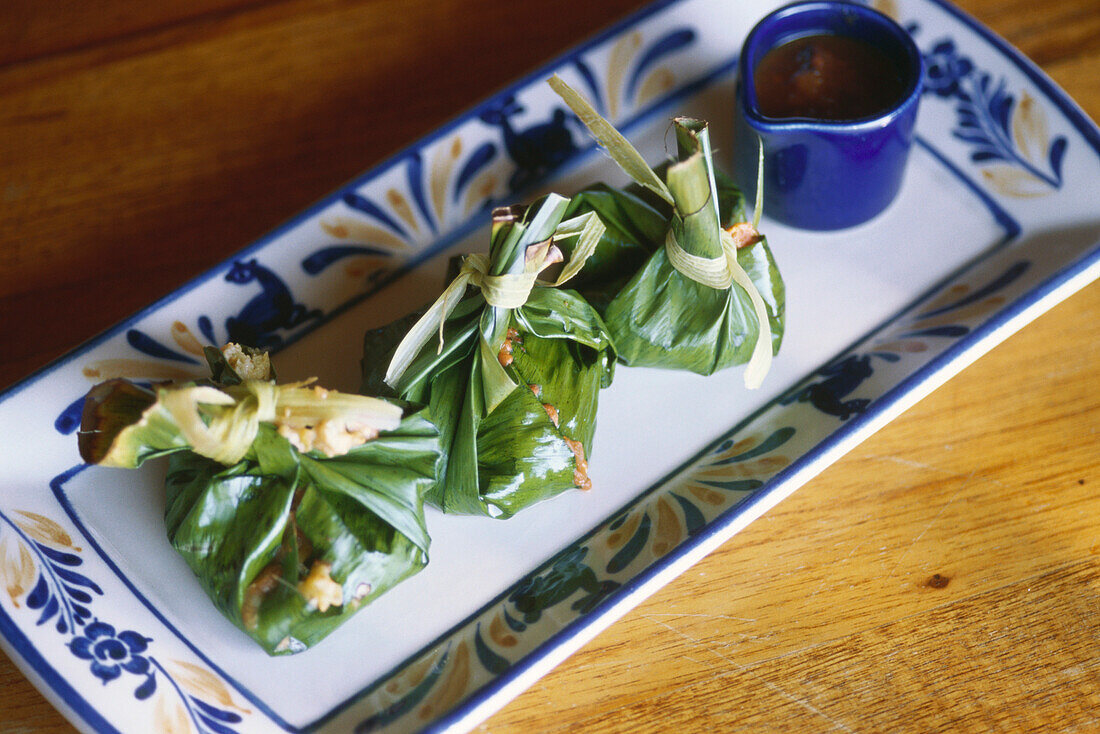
(293, 505)
(682, 279)
(511, 366)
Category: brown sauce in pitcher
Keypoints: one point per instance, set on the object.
(826, 77)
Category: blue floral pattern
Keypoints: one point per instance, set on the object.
(273, 310)
(109, 652)
(63, 595)
(945, 70)
(990, 119)
(536, 149)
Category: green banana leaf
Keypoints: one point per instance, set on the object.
(657, 315)
(287, 543)
(636, 223)
(516, 428)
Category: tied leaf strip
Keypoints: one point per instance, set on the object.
(618, 147)
(221, 424)
(717, 272)
(232, 424)
(507, 290)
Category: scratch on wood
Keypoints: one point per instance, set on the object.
(745, 671)
(801, 702)
(826, 580)
(914, 541)
(704, 616)
(905, 462)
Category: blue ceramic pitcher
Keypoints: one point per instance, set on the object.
(827, 174)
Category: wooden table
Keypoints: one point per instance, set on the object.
(944, 576)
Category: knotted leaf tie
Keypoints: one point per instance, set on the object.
(227, 434)
(719, 272)
(221, 424)
(723, 271)
(508, 290)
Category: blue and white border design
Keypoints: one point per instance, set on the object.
(1000, 113)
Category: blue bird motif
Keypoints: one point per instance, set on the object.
(841, 379)
(273, 309)
(567, 576)
(535, 150)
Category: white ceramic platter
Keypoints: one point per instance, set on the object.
(996, 222)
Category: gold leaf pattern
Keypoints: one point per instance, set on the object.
(668, 528)
(500, 634)
(752, 469)
(1014, 182)
(482, 188)
(971, 311)
(45, 530)
(706, 494)
(441, 175)
(345, 228)
(186, 340)
(171, 717)
(359, 268)
(453, 687)
(203, 684)
(1029, 129)
(401, 207)
(621, 52)
(656, 84)
(412, 676)
(746, 444)
(947, 297)
(626, 530)
(886, 7)
(769, 465)
(17, 568)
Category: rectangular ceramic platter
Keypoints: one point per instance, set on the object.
(996, 222)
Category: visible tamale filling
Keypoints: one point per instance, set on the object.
(580, 473)
(320, 589)
(266, 581)
(510, 340)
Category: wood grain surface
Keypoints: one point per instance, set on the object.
(944, 576)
